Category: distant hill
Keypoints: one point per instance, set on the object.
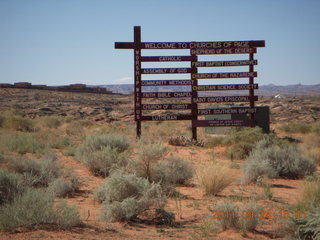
(271, 89)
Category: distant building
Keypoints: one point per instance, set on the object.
(278, 96)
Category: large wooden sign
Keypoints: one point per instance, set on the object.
(193, 98)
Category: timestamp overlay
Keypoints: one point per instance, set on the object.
(262, 214)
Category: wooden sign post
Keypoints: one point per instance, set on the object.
(196, 48)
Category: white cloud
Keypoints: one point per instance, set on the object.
(124, 80)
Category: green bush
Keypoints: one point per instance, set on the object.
(36, 173)
(51, 121)
(172, 170)
(2, 120)
(277, 160)
(61, 188)
(103, 153)
(243, 141)
(35, 208)
(12, 120)
(11, 184)
(97, 143)
(61, 143)
(297, 128)
(24, 143)
(125, 196)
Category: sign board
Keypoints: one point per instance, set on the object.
(223, 123)
(195, 48)
(191, 45)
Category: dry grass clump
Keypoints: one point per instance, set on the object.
(33, 209)
(213, 178)
(310, 196)
(148, 155)
(125, 196)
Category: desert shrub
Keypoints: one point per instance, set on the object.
(245, 218)
(315, 127)
(249, 216)
(103, 153)
(74, 128)
(125, 196)
(172, 170)
(1, 157)
(277, 160)
(310, 196)
(227, 214)
(36, 173)
(215, 141)
(11, 184)
(70, 150)
(2, 119)
(243, 141)
(297, 127)
(61, 143)
(102, 162)
(51, 121)
(61, 188)
(97, 143)
(307, 227)
(213, 178)
(12, 120)
(24, 143)
(34, 208)
(148, 155)
(66, 216)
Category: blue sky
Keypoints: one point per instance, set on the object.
(60, 42)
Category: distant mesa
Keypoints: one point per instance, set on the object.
(69, 88)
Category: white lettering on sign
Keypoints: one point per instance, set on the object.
(164, 95)
(237, 99)
(149, 95)
(223, 51)
(227, 87)
(182, 94)
(170, 59)
(160, 45)
(165, 117)
(180, 106)
(154, 70)
(166, 82)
